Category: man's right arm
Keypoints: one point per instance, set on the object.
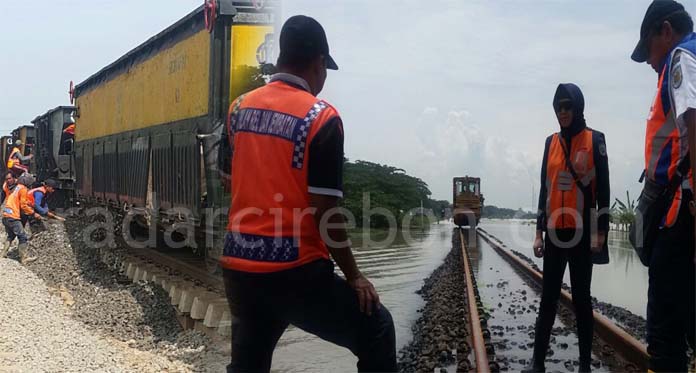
(338, 244)
(325, 182)
(38, 200)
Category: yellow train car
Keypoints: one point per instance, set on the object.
(467, 200)
(147, 126)
(154, 110)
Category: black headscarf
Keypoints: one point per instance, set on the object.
(572, 92)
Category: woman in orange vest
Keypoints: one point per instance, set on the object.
(574, 183)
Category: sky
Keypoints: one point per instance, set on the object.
(438, 88)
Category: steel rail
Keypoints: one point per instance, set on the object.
(478, 344)
(628, 346)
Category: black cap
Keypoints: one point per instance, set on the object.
(657, 12)
(51, 183)
(303, 36)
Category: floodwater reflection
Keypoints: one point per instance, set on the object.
(397, 271)
(623, 282)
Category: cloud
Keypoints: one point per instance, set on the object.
(449, 143)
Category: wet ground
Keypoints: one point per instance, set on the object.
(512, 305)
(397, 271)
(623, 282)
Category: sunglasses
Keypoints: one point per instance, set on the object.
(565, 106)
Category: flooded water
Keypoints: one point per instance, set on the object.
(397, 271)
(512, 305)
(623, 282)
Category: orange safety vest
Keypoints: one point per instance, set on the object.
(664, 146)
(11, 160)
(41, 189)
(6, 189)
(565, 201)
(269, 226)
(70, 130)
(18, 202)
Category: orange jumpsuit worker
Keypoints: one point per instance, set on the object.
(287, 170)
(18, 203)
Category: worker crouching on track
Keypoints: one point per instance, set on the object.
(574, 180)
(287, 171)
(18, 203)
(39, 196)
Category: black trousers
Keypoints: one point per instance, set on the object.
(15, 228)
(312, 298)
(671, 296)
(579, 259)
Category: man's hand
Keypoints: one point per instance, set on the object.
(367, 295)
(598, 242)
(37, 216)
(538, 245)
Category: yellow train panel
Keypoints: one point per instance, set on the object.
(170, 86)
(251, 46)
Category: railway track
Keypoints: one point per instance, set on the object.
(633, 354)
(197, 295)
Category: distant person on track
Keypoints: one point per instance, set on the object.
(286, 150)
(668, 44)
(574, 182)
(16, 162)
(18, 203)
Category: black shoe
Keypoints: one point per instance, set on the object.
(585, 368)
(534, 368)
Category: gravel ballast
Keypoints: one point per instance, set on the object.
(440, 333)
(70, 290)
(39, 335)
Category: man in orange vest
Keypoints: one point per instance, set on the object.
(38, 197)
(8, 185)
(15, 160)
(18, 203)
(286, 168)
(668, 44)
